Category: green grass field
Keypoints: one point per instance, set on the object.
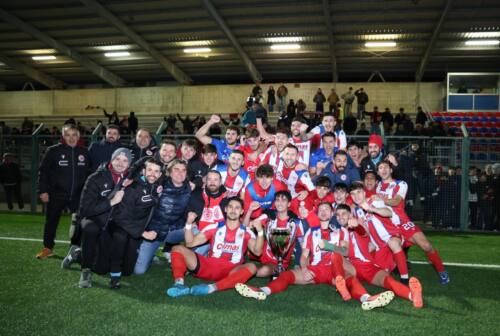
(39, 298)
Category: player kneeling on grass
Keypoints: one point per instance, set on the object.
(228, 246)
(362, 260)
(316, 265)
(130, 220)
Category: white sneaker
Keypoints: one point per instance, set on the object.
(378, 300)
(168, 256)
(250, 292)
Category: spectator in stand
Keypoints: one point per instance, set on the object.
(348, 98)
(124, 129)
(27, 126)
(333, 99)
(171, 120)
(4, 129)
(55, 131)
(234, 120)
(400, 117)
(362, 130)
(282, 93)
(450, 193)
(112, 118)
(421, 116)
(319, 99)
(419, 130)
(473, 198)
(375, 120)
(100, 152)
(425, 177)
(400, 131)
(350, 124)
(11, 178)
(133, 123)
(362, 99)
(408, 125)
(271, 99)
(187, 124)
(486, 196)
(301, 107)
(387, 120)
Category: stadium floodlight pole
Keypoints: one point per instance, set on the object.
(95, 132)
(159, 131)
(464, 185)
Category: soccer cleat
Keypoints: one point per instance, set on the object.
(114, 283)
(416, 293)
(45, 253)
(444, 278)
(85, 278)
(378, 300)
(177, 291)
(199, 290)
(342, 288)
(73, 255)
(250, 292)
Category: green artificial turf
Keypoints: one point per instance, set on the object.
(39, 298)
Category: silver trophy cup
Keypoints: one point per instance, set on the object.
(280, 241)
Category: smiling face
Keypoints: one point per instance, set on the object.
(340, 162)
(71, 136)
(120, 164)
(384, 171)
(213, 182)
(143, 139)
(234, 210)
(358, 196)
(231, 137)
(167, 153)
(373, 150)
(325, 212)
(151, 172)
(178, 173)
(281, 203)
(290, 156)
(329, 123)
(342, 217)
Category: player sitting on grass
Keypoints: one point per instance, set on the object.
(316, 265)
(228, 245)
(363, 261)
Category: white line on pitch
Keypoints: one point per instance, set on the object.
(460, 264)
(492, 266)
(32, 240)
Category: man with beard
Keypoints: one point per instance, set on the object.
(322, 156)
(143, 145)
(228, 241)
(209, 201)
(169, 217)
(224, 147)
(100, 194)
(100, 152)
(262, 190)
(375, 145)
(165, 155)
(294, 174)
(328, 123)
(304, 146)
(234, 177)
(130, 219)
(338, 172)
(393, 193)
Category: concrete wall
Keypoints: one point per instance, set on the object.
(206, 99)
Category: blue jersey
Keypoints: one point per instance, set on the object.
(347, 176)
(320, 156)
(223, 150)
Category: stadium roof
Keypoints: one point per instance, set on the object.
(115, 43)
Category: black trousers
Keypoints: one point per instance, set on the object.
(91, 233)
(55, 208)
(13, 190)
(122, 245)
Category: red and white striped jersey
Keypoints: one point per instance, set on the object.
(313, 236)
(295, 180)
(391, 190)
(227, 244)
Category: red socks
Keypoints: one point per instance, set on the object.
(400, 259)
(282, 282)
(397, 287)
(242, 275)
(436, 261)
(338, 265)
(355, 288)
(178, 265)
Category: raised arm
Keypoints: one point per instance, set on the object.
(201, 134)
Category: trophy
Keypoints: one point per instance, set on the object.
(280, 241)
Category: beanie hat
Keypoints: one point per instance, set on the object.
(122, 151)
(376, 139)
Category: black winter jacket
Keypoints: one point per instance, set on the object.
(133, 212)
(170, 213)
(101, 152)
(63, 171)
(95, 201)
